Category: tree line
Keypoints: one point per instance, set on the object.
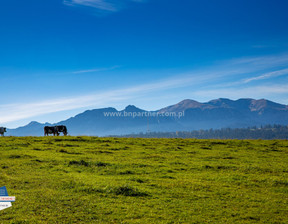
(266, 132)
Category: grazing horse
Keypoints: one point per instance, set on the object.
(2, 131)
(62, 128)
(50, 130)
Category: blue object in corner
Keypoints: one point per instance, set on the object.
(3, 192)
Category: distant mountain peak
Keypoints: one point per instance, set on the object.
(259, 105)
(32, 123)
(186, 104)
(132, 108)
(183, 105)
(221, 102)
(189, 102)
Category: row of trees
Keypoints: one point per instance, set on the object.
(263, 132)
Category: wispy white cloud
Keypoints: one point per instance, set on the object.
(261, 62)
(96, 70)
(14, 112)
(101, 5)
(255, 77)
(268, 75)
(98, 4)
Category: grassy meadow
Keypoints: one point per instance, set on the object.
(130, 180)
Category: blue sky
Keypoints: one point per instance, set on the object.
(61, 57)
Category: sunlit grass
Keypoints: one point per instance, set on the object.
(111, 180)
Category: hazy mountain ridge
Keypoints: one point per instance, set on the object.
(219, 113)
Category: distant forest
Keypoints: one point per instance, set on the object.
(264, 132)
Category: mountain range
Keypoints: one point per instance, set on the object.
(186, 115)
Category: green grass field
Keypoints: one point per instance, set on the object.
(119, 180)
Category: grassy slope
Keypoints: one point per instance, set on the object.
(110, 180)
